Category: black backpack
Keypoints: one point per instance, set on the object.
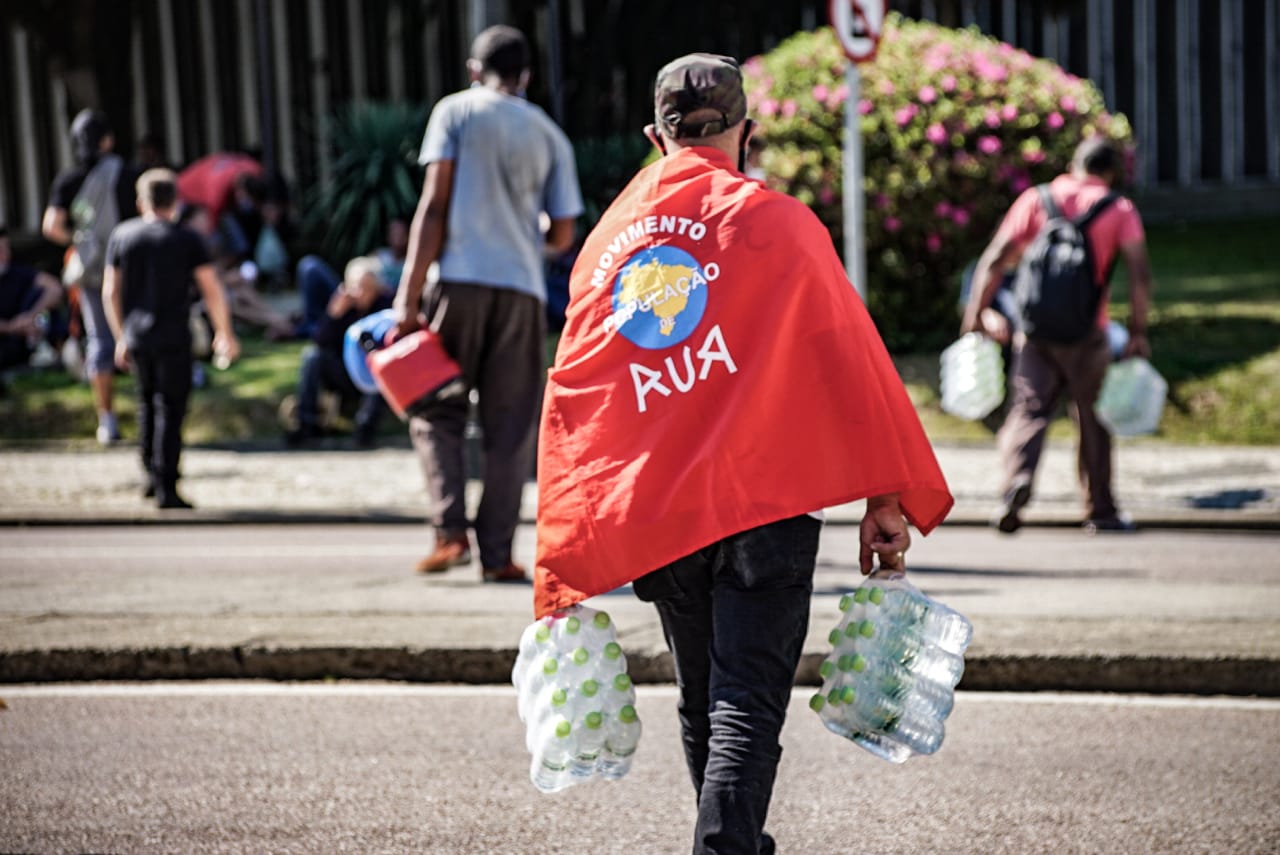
(1055, 287)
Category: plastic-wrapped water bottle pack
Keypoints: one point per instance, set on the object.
(576, 699)
(897, 655)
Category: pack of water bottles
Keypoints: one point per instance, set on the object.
(889, 682)
(576, 699)
(971, 371)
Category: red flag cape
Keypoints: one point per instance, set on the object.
(717, 372)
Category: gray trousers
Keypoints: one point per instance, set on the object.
(496, 335)
(1042, 373)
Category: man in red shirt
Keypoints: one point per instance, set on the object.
(1043, 371)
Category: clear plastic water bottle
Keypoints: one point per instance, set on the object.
(570, 668)
(1132, 398)
(552, 757)
(972, 377)
(889, 682)
(620, 742)
(590, 741)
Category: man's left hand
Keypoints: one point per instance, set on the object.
(884, 534)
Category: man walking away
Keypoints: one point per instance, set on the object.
(494, 164)
(1044, 368)
(151, 263)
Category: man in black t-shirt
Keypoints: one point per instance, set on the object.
(151, 264)
(85, 203)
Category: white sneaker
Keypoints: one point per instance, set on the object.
(108, 431)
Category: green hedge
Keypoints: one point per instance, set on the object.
(954, 124)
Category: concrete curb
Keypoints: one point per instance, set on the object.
(1253, 676)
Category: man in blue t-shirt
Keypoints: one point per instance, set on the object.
(494, 165)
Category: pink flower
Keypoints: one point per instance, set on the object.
(933, 242)
(826, 195)
(960, 217)
(753, 65)
(882, 201)
(820, 93)
(838, 96)
(892, 224)
(886, 87)
(1009, 112)
(949, 83)
(864, 107)
(904, 115)
(1055, 121)
(1019, 182)
(942, 209)
(989, 145)
(991, 119)
(927, 94)
(1068, 103)
(768, 107)
(1033, 155)
(788, 108)
(936, 134)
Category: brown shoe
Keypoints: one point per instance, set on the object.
(451, 551)
(513, 572)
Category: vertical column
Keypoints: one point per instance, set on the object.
(929, 10)
(1272, 88)
(355, 40)
(395, 51)
(279, 62)
(207, 43)
(138, 71)
(32, 194)
(172, 99)
(1104, 11)
(1232, 91)
(248, 61)
(319, 71)
(1188, 90)
(1144, 84)
(431, 51)
(1008, 22)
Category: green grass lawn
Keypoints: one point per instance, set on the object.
(1215, 333)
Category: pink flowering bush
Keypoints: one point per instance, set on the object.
(954, 126)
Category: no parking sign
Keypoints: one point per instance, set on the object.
(858, 24)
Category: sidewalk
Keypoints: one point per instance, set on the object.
(1056, 615)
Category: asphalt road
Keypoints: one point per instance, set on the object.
(375, 767)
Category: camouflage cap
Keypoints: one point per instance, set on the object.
(699, 95)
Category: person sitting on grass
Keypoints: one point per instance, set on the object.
(26, 295)
(361, 293)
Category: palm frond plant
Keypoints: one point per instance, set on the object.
(375, 177)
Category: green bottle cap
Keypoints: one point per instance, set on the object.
(833, 696)
(562, 728)
(845, 663)
(877, 595)
(589, 688)
(845, 602)
(612, 651)
(627, 714)
(859, 663)
(846, 695)
(593, 720)
(866, 629)
(550, 666)
(559, 697)
(601, 620)
(622, 682)
(852, 629)
(572, 625)
(580, 656)
(834, 637)
(817, 702)
(860, 596)
(542, 634)
(826, 669)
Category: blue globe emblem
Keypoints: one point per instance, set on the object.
(659, 297)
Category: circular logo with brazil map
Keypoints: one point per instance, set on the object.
(660, 296)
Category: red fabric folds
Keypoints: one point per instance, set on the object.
(717, 372)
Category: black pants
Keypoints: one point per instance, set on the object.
(735, 616)
(496, 335)
(164, 385)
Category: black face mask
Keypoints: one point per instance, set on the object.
(747, 127)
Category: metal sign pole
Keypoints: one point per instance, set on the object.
(855, 254)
